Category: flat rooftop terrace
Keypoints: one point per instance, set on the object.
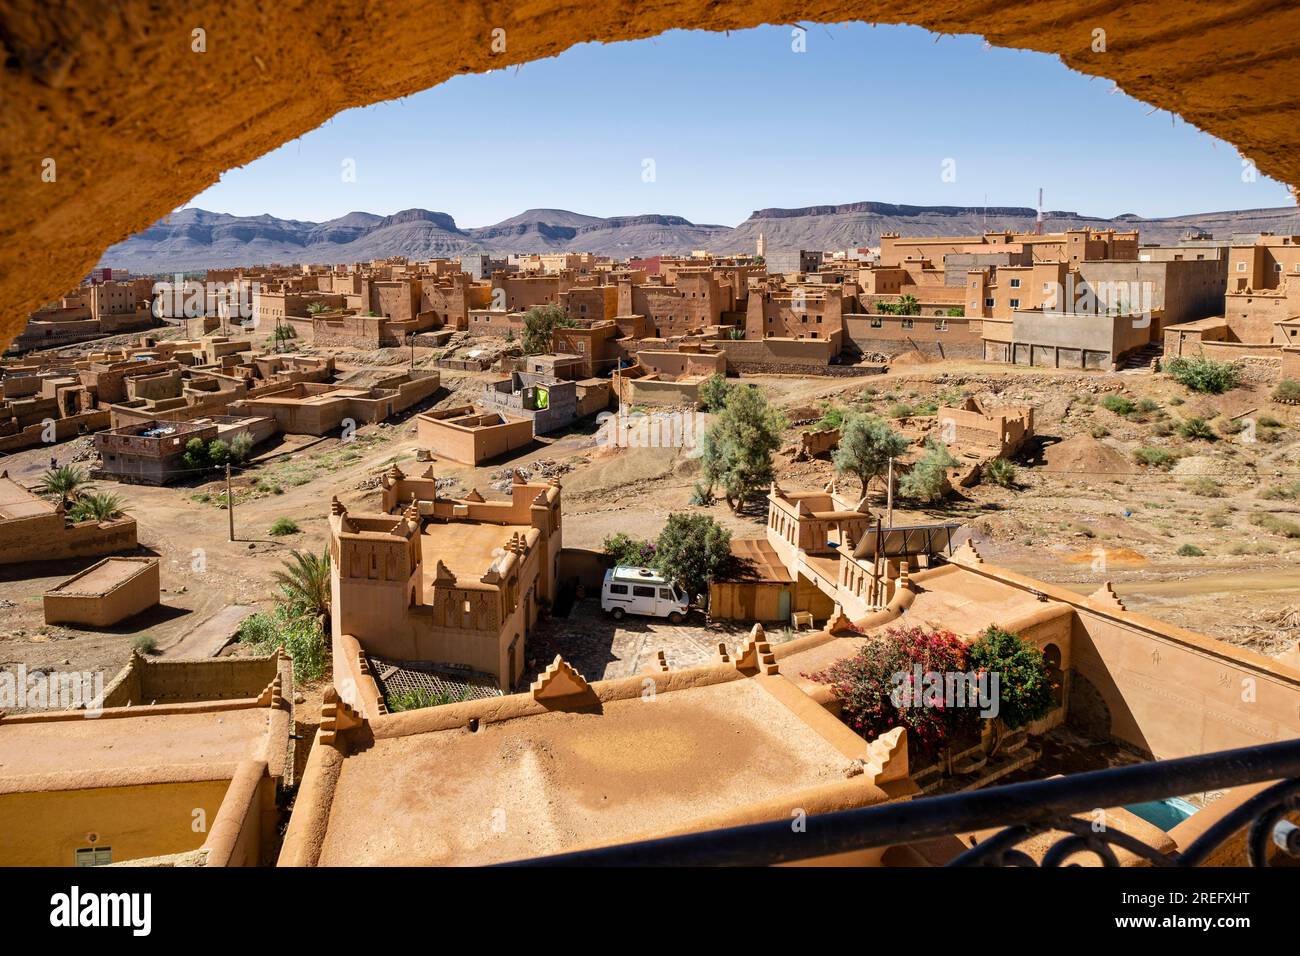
(467, 548)
(102, 577)
(965, 602)
(321, 398)
(147, 742)
(17, 502)
(561, 780)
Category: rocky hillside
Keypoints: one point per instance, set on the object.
(197, 239)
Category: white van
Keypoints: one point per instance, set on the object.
(642, 591)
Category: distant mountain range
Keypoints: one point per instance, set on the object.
(192, 239)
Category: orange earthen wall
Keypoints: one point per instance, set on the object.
(43, 828)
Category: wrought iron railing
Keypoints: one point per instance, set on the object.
(1023, 810)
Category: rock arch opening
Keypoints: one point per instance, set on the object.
(119, 113)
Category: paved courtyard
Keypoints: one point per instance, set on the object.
(601, 648)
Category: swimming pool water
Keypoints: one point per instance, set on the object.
(1165, 814)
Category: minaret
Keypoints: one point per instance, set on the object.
(762, 247)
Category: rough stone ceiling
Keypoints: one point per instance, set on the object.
(138, 123)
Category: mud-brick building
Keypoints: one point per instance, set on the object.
(185, 763)
(35, 529)
(472, 435)
(105, 593)
(454, 583)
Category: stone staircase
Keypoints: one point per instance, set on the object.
(1141, 358)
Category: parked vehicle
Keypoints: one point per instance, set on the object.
(642, 591)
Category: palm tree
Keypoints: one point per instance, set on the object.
(104, 506)
(66, 481)
(305, 584)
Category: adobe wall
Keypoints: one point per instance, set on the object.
(654, 391)
(176, 681)
(1165, 690)
(64, 429)
(129, 597)
(1175, 695)
(44, 828)
(472, 445)
(48, 538)
(244, 831)
(757, 354)
(1291, 363)
(961, 338)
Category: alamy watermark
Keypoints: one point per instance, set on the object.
(668, 429)
(52, 690)
(1128, 299)
(947, 689)
(182, 299)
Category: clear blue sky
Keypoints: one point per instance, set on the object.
(740, 122)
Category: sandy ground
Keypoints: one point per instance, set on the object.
(1077, 526)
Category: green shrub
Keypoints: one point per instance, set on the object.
(630, 552)
(1204, 486)
(1230, 426)
(195, 457)
(901, 410)
(1275, 524)
(927, 479)
(218, 452)
(1268, 421)
(283, 526)
(1147, 405)
(1154, 458)
(1024, 686)
(1196, 429)
(423, 697)
(1189, 551)
(1288, 391)
(145, 644)
(1285, 492)
(241, 447)
(713, 392)
(1246, 547)
(832, 417)
(1001, 472)
(1117, 404)
(301, 637)
(1099, 431)
(1162, 429)
(701, 496)
(1203, 375)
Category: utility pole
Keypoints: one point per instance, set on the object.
(888, 494)
(230, 503)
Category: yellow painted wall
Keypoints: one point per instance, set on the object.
(43, 829)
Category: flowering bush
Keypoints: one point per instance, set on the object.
(866, 684)
(629, 551)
